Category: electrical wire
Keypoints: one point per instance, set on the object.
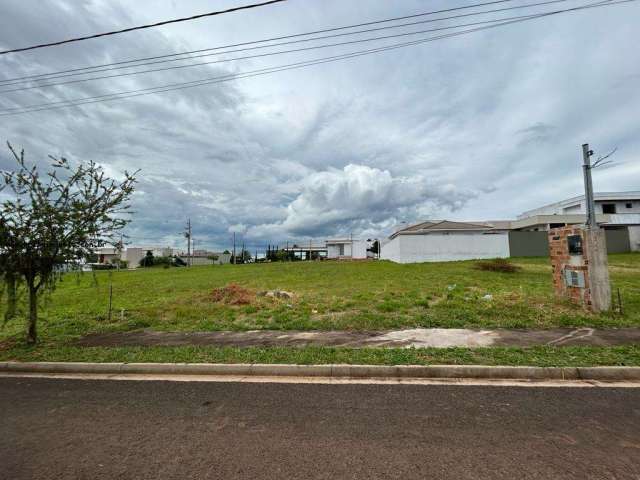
(376, 22)
(351, 42)
(140, 27)
(268, 70)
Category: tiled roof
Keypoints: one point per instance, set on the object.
(448, 225)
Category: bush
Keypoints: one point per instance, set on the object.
(147, 260)
(164, 261)
(497, 265)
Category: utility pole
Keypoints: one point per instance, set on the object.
(187, 235)
(234, 248)
(588, 186)
(242, 253)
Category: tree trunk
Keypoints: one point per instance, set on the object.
(10, 281)
(32, 336)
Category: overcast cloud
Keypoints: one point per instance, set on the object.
(478, 127)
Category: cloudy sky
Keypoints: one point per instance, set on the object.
(477, 127)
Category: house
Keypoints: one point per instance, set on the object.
(131, 255)
(346, 249)
(618, 213)
(444, 240)
(205, 257)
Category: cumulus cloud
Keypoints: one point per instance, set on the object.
(474, 128)
(356, 197)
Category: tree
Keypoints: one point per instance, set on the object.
(375, 248)
(56, 219)
(147, 260)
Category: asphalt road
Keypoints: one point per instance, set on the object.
(94, 429)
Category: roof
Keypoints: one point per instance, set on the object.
(342, 240)
(448, 226)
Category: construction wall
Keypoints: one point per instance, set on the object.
(528, 244)
(617, 240)
(634, 238)
(536, 244)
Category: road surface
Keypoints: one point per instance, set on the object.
(105, 429)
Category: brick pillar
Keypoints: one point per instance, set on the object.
(580, 275)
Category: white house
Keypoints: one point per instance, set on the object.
(346, 248)
(132, 255)
(617, 212)
(443, 240)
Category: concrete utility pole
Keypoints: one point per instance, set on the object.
(234, 248)
(588, 186)
(187, 234)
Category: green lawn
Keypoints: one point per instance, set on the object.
(327, 295)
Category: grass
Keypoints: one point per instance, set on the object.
(327, 296)
(534, 356)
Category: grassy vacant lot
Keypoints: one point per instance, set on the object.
(327, 295)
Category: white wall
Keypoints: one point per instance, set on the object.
(359, 249)
(133, 256)
(439, 247)
(391, 250)
(634, 238)
(333, 250)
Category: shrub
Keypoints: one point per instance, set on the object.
(497, 265)
(147, 260)
(164, 261)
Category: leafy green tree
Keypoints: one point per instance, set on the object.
(148, 260)
(53, 220)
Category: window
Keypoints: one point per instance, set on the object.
(341, 249)
(628, 205)
(608, 208)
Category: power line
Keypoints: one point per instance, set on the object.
(31, 77)
(140, 27)
(268, 70)
(315, 47)
(264, 71)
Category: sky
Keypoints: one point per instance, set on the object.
(477, 127)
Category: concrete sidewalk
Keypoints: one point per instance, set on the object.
(418, 337)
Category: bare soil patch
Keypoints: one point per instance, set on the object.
(233, 294)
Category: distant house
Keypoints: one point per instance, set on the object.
(205, 257)
(444, 240)
(130, 254)
(346, 249)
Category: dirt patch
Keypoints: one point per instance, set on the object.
(408, 338)
(497, 265)
(233, 294)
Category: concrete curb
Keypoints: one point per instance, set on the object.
(333, 371)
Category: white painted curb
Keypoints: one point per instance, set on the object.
(334, 371)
